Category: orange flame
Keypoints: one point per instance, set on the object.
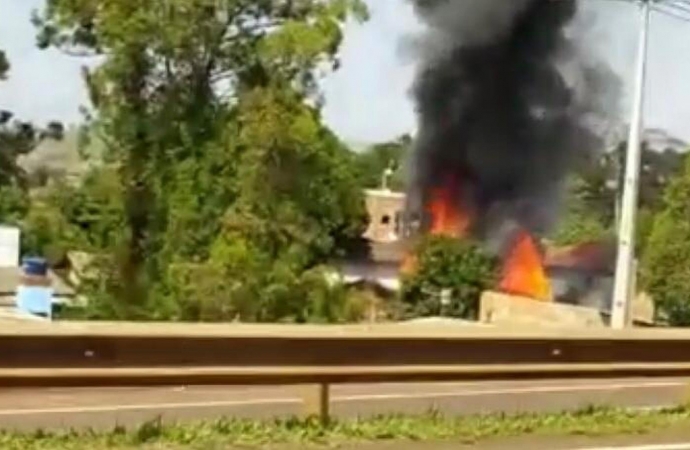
(523, 270)
(447, 218)
(409, 264)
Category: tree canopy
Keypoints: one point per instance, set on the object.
(209, 114)
(461, 267)
(666, 260)
(373, 162)
(590, 200)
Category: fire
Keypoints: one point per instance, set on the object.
(447, 217)
(409, 264)
(523, 270)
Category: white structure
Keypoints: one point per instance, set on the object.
(623, 288)
(9, 246)
(386, 212)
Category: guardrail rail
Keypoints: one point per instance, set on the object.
(116, 355)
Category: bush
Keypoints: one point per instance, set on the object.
(45, 233)
(665, 271)
(14, 204)
(238, 282)
(460, 266)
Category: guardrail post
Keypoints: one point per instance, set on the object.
(317, 402)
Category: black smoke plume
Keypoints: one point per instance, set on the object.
(498, 117)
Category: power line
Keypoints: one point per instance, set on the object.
(675, 8)
(678, 9)
(685, 6)
(669, 11)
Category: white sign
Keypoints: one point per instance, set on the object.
(9, 246)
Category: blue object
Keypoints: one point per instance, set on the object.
(35, 300)
(35, 266)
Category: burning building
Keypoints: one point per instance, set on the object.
(500, 123)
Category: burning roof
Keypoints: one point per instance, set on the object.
(593, 257)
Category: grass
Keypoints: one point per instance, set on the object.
(235, 433)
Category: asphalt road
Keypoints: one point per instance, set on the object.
(104, 408)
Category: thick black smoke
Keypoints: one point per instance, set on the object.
(496, 115)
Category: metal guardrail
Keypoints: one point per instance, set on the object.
(209, 376)
(96, 357)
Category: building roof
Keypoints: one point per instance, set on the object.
(10, 278)
(594, 257)
(385, 193)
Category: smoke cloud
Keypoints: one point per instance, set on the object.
(505, 102)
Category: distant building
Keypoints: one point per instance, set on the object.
(583, 275)
(579, 275)
(11, 272)
(386, 236)
(10, 278)
(386, 216)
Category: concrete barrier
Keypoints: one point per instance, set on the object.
(508, 310)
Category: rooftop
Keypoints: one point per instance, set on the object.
(10, 278)
(595, 257)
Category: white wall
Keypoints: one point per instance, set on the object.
(9, 246)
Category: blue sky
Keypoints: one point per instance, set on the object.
(367, 100)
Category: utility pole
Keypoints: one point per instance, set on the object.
(623, 286)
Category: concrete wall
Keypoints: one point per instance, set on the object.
(504, 310)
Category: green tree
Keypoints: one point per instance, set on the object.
(180, 100)
(17, 138)
(666, 261)
(460, 266)
(599, 179)
(657, 167)
(375, 160)
(580, 222)
(297, 203)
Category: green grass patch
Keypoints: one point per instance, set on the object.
(237, 433)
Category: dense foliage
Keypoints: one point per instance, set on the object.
(581, 221)
(460, 267)
(386, 159)
(229, 190)
(590, 202)
(666, 263)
